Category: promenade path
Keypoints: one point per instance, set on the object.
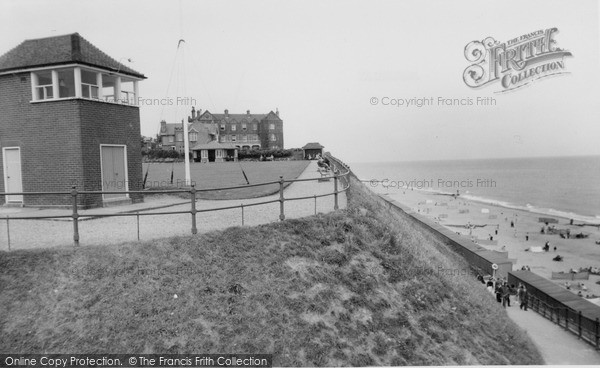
(26, 234)
(557, 346)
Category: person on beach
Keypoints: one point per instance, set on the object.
(527, 237)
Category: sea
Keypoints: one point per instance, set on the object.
(568, 187)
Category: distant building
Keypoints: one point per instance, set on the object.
(69, 118)
(311, 150)
(232, 132)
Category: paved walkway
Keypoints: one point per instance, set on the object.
(113, 230)
(557, 346)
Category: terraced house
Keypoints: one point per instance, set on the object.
(69, 118)
(218, 137)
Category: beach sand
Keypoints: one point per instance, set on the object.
(448, 211)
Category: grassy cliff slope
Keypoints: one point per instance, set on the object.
(356, 287)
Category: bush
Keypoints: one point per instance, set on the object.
(161, 153)
(256, 153)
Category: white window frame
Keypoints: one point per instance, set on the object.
(193, 137)
(233, 127)
(130, 97)
(90, 87)
(271, 126)
(45, 88)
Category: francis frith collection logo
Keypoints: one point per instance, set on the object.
(516, 62)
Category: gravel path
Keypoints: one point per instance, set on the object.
(113, 230)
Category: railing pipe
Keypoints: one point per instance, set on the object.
(281, 200)
(75, 217)
(193, 210)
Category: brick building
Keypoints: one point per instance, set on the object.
(231, 131)
(69, 118)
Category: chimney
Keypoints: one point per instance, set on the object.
(277, 111)
(248, 112)
(193, 112)
(163, 126)
(226, 113)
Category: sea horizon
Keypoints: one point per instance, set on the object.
(562, 186)
(473, 159)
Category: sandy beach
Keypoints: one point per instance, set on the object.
(495, 221)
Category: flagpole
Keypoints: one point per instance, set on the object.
(186, 149)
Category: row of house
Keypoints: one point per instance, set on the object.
(218, 137)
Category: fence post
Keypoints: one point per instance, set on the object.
(193, 210)
(8, 232)
(138, 224)
(567, 318)
(544, 312)
(75, 217)
(335, 192)
(579, 324)
(242, 214)
(281, 200)
(315, 204)
(597, 333)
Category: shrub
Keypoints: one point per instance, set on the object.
(255, 154)
(161, 153)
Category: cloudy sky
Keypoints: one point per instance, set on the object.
(329, 67)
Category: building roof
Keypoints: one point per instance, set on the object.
(227, 117)
(213, 145)
(197, 126)
(60, 50)
(313, 145)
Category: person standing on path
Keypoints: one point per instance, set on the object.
(505, 295)
(523, 298)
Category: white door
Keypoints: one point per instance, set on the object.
(12, 174)
(114, 171)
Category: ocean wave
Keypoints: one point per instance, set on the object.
(534, 209)
(528, 207)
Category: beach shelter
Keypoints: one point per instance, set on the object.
(312, 150)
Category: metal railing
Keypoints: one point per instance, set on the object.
(193, 211)
(573, 321)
